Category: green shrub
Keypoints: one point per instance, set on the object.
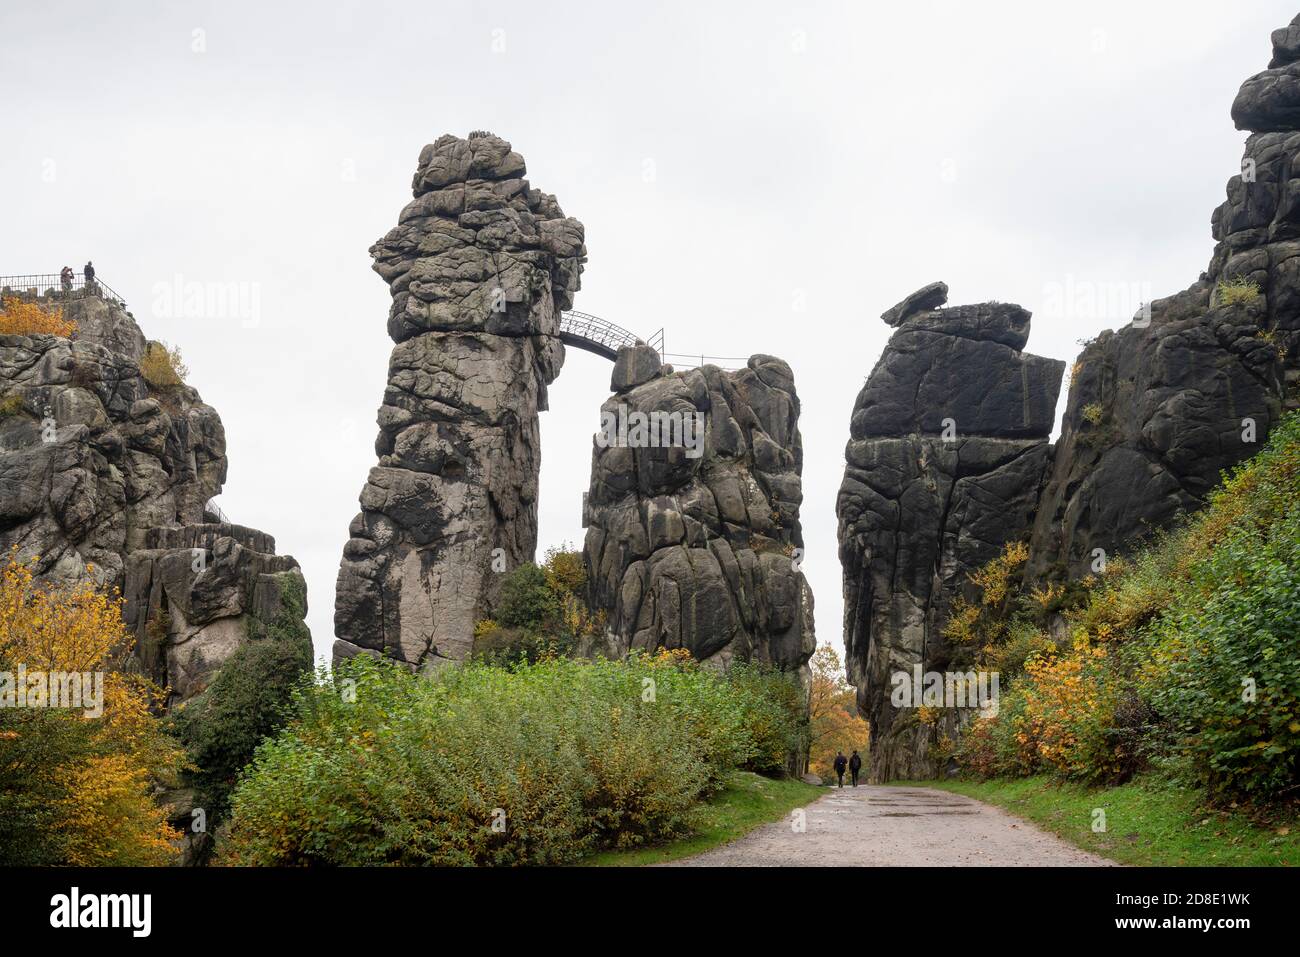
(1226, 656)
(222, 726)
(38, 743)
(541, 611)
(527, 599)
(565, 569)
(494, 644)
(1231, 292)
(1185, 657)
(992, 746)
(772, 714)
(477, 764)
(1024, 640)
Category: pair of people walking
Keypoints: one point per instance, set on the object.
(854, 764)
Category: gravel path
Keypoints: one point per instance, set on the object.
(880, 826)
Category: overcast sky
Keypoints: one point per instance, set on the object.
(753, 177)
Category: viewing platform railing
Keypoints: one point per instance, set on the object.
(50, 286)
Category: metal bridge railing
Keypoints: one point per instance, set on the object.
(596, 330)
(680, 360)
(585, 331)
(50, 286)
(213, 509)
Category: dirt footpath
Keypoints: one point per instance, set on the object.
(884, 826)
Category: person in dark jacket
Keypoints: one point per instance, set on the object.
(855, 765)
(840, 763)
(90, 273)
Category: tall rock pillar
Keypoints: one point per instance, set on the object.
(480, 266)
(947, 456)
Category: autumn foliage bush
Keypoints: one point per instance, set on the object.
(1185, 657)
(19, 317)
(833, 721)
(74, 788)
(541, 610)
(536, 763)
(162, 366)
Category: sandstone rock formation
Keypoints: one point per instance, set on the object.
(1156, 411)
(480, 267)
(1153, 417)
(90, 456)
(106, 477)
(947, 456)
(196, 593)
(693, 535)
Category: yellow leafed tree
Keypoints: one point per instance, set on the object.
(834, 724)
(84, 779)
(18, 317)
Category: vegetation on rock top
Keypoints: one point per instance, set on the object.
(19, 317)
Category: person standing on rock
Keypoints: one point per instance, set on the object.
(840, 763)
(89, 272)
(855, 765)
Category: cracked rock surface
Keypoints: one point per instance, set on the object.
(701, 551)
(1157, 410)
(480, 266)
(106, 478)
(947, 455)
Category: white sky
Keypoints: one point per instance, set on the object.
(836, 154)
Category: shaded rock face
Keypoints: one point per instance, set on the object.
(480, 267)
(1159, 408)
(947, 456)
(695, 543)
(1156, 411)
(99, 472)
(1154, 416)
(196, 593)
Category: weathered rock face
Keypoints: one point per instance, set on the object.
(693, 535)
(90, 457)
(1156, 411)
(105, 478)
(480, 267)
(1153, 417)
(947, 456)
(197, 593)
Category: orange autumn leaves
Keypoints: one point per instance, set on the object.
(833, 719)
(19, 317)
(89, 779)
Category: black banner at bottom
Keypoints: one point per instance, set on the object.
(187, 906)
